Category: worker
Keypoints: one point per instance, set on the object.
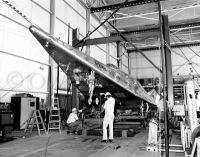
(108, 117)
(73, 121)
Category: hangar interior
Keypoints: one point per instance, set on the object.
(61, 55)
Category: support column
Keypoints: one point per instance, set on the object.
(49, 86)
(74, 95)
(168, 63)
(88, 29)
(52, 27)
(107, 50)
(118, 54)
(58, 77)
(68, 30)
(129, 64)
(165, 104)
(167, 77)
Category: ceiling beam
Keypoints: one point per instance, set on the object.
(128, 4)
(177, 45)
(167, 6)
(111, 39)
(184, 24)
(139, 38)
(137, 35)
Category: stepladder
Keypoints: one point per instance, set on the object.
(34, 120)
(54, 117)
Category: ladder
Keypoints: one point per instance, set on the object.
(35, 119)
(54, 117)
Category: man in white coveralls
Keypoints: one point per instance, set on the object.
(108, 118)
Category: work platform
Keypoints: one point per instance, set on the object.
(93, 127)
(121, 129)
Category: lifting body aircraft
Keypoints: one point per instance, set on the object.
(90, 75)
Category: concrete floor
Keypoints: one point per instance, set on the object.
(65, 145)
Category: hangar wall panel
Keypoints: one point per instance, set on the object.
(43, 3)
(16, 39)
(61, 30)
(40, 17)
(98, 54)
(141, 68)
(24, 7)
(67, 14)
(125, 69)
(94, 23)
(77, 6)
(21, 75)
(17, 73)
(185, 61)
(113, 61)
(113, 53)
(98, 51)
(124, 60)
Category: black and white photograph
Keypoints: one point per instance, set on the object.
(99, 78)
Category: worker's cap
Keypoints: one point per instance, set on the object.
(74, 109)
(107, 93)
